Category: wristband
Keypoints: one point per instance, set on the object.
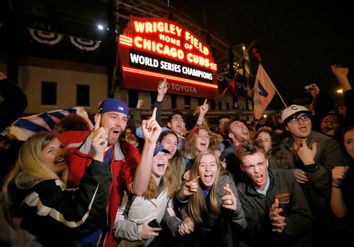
(311, 168)
(335, 185)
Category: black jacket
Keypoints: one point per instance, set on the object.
(57, 215)
(256, 206)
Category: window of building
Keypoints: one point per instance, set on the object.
(133, 96)
(48, 93)
(227, 106)
(174, 101)
(211, 104)
(187, 102)
(82, 95)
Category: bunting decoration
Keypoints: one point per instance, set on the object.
(51, 38)
(85, 44)
(47, 38)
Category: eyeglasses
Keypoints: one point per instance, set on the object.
(296, 119)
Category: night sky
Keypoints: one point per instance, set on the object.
(298, 41)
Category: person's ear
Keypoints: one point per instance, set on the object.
(242, 168)
(286, 127)
(169, 125)
(231, 135)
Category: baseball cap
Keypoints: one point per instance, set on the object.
(291, 110)
(113, 105)
(160, 148)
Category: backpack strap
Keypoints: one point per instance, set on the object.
(131, 198)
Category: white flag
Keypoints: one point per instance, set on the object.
(264, 91)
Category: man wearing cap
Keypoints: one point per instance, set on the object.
(123, 159)
(311, 156)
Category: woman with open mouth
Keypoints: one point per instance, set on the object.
(213, 208)
(37, 200)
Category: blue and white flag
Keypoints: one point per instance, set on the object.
(264, 91)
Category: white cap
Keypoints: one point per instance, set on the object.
(291, 110)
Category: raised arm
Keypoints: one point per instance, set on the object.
(161, 92)
(137, 113)
(203, 109)
(338, 206)
(99, 141)
(341, 73)
(151, 130)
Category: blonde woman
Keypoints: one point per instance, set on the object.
(138, 220)
(212, 205)
(36, 197)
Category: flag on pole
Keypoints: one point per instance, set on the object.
(264, 91)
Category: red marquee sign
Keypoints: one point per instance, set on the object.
(151, 49)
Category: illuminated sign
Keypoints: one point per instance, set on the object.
(151, 49)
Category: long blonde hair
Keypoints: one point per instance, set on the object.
(29, 169)
(197, 205)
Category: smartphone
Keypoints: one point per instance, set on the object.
(154, 223)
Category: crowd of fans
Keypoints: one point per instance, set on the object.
(124, 181)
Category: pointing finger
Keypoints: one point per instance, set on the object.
(97, 123)
(227, 189)
(205, 101)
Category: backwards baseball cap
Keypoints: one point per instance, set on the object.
(113, 105)
(291, 110)
(160, 148)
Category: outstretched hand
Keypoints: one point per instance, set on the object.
(229, 200)
(339, 71)
(151, 129)
(99, 140)
(204, 107)
(189, 188)
(163, 86)
(162, 89)
(278, 221)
